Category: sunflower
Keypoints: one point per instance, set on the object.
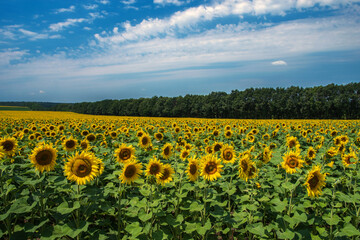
(154, 168)
(85, 145)
(228, 154)
(315, 181)
(82, 168)
(209, 149)
(193, 169)
(310, 155)
(43, 157)
(266, 155)
(292, 160)
(113, 134)
(346, 159)
(9, 145)
(217, 146)
(331, 152)
(130, 172)
(247, 169)
(69, 144)
(292, 142)
(145, 141)
(210, 167)
(167, 151)
(266, 137)
(228, 133)
(216, 133)
(184, 154)
(125, 153)
(166, 176)
(91, 137)
(159, 136)
(85, 133)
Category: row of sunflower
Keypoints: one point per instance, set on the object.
(203, 178)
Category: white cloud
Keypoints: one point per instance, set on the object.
(90, 7)
(35, 36)
(128, 2)
(103, 1)
(279, 63)
(8, 55)
(69, 22)
(62, 10)
(41, 91)
(168, 2)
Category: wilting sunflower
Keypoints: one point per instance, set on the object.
(228, 154)
(166, 176)
(247, 169)
(210, 167)
(69, 144)
(292, 160)
(154, 168)
(81, 168)
(315, 181)
(125, 153)
(9, 145)
(193, 169)
(346, 159)
(167, 151)
(130, 172)
(43, 157)
(145, 141)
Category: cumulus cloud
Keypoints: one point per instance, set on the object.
(62, 10)
(279, 63)
(90, 7)
(69, 22)
(8, 55)
(169, 2)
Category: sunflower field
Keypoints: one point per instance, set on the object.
(71, 176)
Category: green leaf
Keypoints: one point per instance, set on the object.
(143, 216)
(288, 234)
(257, 229)
(30, 228)
(202, 230)
(349, 231)
(144, 192)
(134, 229)
(191, 227)
(332, 220)
(196, 207)
(64, 208)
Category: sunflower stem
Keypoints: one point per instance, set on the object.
(119, 210)
(78, 211)
(205, 199)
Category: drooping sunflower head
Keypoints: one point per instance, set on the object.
(145, 141)
(193, 169)
(348, 159)
(125, 153)
(43, 157)
(9, 145)
(228, 154)
(315, 181)
(210, 167)
(82, 168)
(154, 168)
(69, 144)
(166, 176)
(130, 172)
(292, 161)
(167, 151)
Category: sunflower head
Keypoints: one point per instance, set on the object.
(217, 146)
(292, 160)
(91, 137)
(130, 172)
(125, 153)
(348, 159)
(159, 136)
(9, 145)
(167, 151)
(193, 169)
(69, 144)
(43, 157)
(315, 181)
(247, 169)
(154, 168)
(166, 176)
(82, 168)
(184, 154)
(292, 142)
(228, 154)
(210, 167)
(145, 141)
(85, 145)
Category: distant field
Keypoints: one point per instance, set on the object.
(14, 108)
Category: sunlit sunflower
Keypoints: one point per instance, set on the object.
(154, 168)
(91, 137)
(145, 141)
(266, 137)
(310, 155)
(125, 153)
(228, 133)
(9, 145)
(209, 149)
(247, 169)
(315, 181)
(81, 168)
(292, 142)
(266, 155)
(331, 152)
(130, 172)
(85, 133)
(85, 145)
(69, 144)
(292, 160)
(210, 167)
(166, 176)
(167, 151)
(216, 133)
(217, 146)
(43, 157)
(184, 154)
(228, 154)
(193, 169)
(159, 136)
(348, 159)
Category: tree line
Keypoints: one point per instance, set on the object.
(321, 102)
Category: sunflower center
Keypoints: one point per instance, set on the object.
(8, 145)
(167, 151)
(90, 138)
(84, 145)
(217, 147)
(125, 154)
(154, 169)
(185, 154)
(228, 155)
(44, 157)
(313, 182)
(83, 169)
(165, 175)
(252, 171)
(293, 163)
(292, 144)
(193, 169)
(130, 171)
(70, 144)
(244, 165)
(144, 141)
(211, 168)
(311, 154)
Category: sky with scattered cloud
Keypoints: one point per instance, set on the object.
(75, 51)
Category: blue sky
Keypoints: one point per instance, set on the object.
(74, 51)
